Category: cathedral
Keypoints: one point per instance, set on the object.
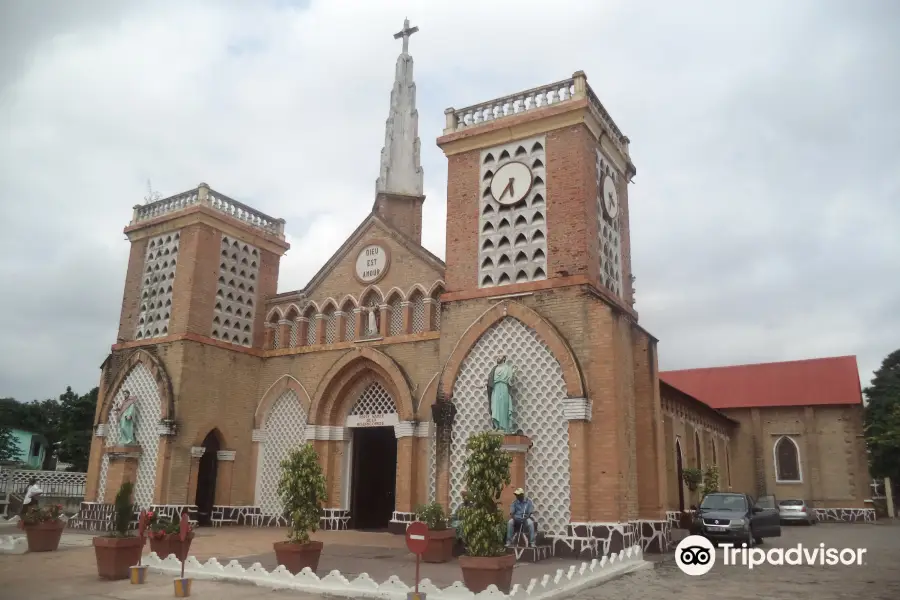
(382, 360)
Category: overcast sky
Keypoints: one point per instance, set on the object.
(765, 215)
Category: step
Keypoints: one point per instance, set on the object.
(533, 554)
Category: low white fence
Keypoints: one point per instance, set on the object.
(53, 484)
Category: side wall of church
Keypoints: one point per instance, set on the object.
(833, 472)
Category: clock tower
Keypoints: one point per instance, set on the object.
(538, 247)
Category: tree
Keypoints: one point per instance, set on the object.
(882, 428)
(9, 449)
(75, 425)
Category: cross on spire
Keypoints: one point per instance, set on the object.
(405, 33)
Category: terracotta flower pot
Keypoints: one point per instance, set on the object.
(481, 571)
(44, 537)
(440, 545)
(296, 557)
(116, 556)
(171, 544)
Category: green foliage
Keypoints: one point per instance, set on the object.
(9, 449)
(487, 472)
(161, 526)
(124, 510)
(882, 429)
(302, 491)
(692, 477)
(432, 514)
(710, 480)
(34, 515)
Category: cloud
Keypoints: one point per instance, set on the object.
(763, 216)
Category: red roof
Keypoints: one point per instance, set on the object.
(815, 381)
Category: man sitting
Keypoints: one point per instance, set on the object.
(520, 513)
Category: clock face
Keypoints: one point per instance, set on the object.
(372, 263)
(610, 198)
(511, 183)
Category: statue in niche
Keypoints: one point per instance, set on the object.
(372, 326)
(127, 414)
(498, 388)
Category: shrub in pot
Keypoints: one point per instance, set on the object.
(118, 551)
(302, 492)
(165, 539)
(43, 527)
(487, 560)
(440, 536)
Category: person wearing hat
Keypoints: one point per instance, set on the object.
(520, 512)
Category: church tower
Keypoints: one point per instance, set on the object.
(538, 264)
(399, 190)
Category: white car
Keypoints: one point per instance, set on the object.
(796, 511)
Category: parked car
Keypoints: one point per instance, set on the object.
(796, 511)
(737, 518)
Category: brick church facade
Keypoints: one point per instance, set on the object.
(229, 375)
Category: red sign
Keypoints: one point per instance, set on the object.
(417, 537)
(185, 526)
(142, 524)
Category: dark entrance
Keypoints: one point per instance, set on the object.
(206, 478)
(373, 477)
(679, 471)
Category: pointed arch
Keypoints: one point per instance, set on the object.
(311, 309)
(786, 453)
(394, 291)
(206, 430)
(416, 287)
(373, 291)
(281, 385)
(679, 472)
(349, 298)
(274, 315)
(329, 403)
(292, 312)
(156, 368)
(438, 286)
(329, 302)
(698, 450)
(547, 332)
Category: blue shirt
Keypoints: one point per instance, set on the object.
(520, 508)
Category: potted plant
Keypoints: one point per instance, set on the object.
(165, 537)
(440, 536)
(487, 560)
(118, 551)
(43, 527)
(692, 478)
(302, 492)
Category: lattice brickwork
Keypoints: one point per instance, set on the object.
(537, 392)
(331, 327)
(156, 290)
(236, 293)
(140, 383)
(432, 465)
(418, 315)
(374, 401)
(436, 317)
(513, 239)
(396, 312)
(312, 331)
(276, 336)
(294, 334)
(350, 326)
(285, 430)
(609, 231)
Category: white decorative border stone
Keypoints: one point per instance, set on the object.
(577, 409)
(404, 429)
(562, 583)
(197, 451)
(424, 429)
(226, 455)
(100, 431)
(13, 544)
(325, 432)
(258, 435)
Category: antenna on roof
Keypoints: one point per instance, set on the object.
(151, 195)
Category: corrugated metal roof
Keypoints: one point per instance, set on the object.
(817, 381)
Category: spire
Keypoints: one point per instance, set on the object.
(401, 172)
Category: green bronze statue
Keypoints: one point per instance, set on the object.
(498, 389)
(128, 420)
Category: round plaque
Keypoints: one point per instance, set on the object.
(372, 263)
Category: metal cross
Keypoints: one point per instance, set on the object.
(405, 33)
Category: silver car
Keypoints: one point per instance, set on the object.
(796, 511)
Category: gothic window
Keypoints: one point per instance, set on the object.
(349, 320)
(236, 293)
(330, 323)
(292, 316)
(787, 460)
(715, 459)
(512, 245)
(436, 308)
(609, 223)
(156, 290)
(417, 311)
(697, 455)
(728, 465)
(396, 313)
(313, 325)
(271, 325)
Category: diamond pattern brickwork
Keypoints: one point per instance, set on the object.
(141, 384)
(513, 239)
(396, 313)
(374, 401)
(285, 430)
(609, 231)
(156, 289)
(236, 293)
(538, 390)
(418, 314)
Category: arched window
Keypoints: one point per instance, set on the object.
(787, 460)
(715, 458)
(728, 465)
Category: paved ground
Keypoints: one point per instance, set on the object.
(70, 573)
(877, 579)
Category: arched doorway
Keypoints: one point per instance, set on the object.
(373, 467)
(679, 472)
(206, 477)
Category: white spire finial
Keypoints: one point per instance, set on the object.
(405, 33)
(401, 172)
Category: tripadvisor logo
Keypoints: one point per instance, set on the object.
(696, 555)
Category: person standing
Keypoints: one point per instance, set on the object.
(32, 495)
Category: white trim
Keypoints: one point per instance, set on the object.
(101, 430)
(424, 429)
(259, 435)
(404, 429)
(516, 448)
(325, 432)
(227, 455)
(775, 460)
(577, 409)
(387, 420)
(197, 451)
